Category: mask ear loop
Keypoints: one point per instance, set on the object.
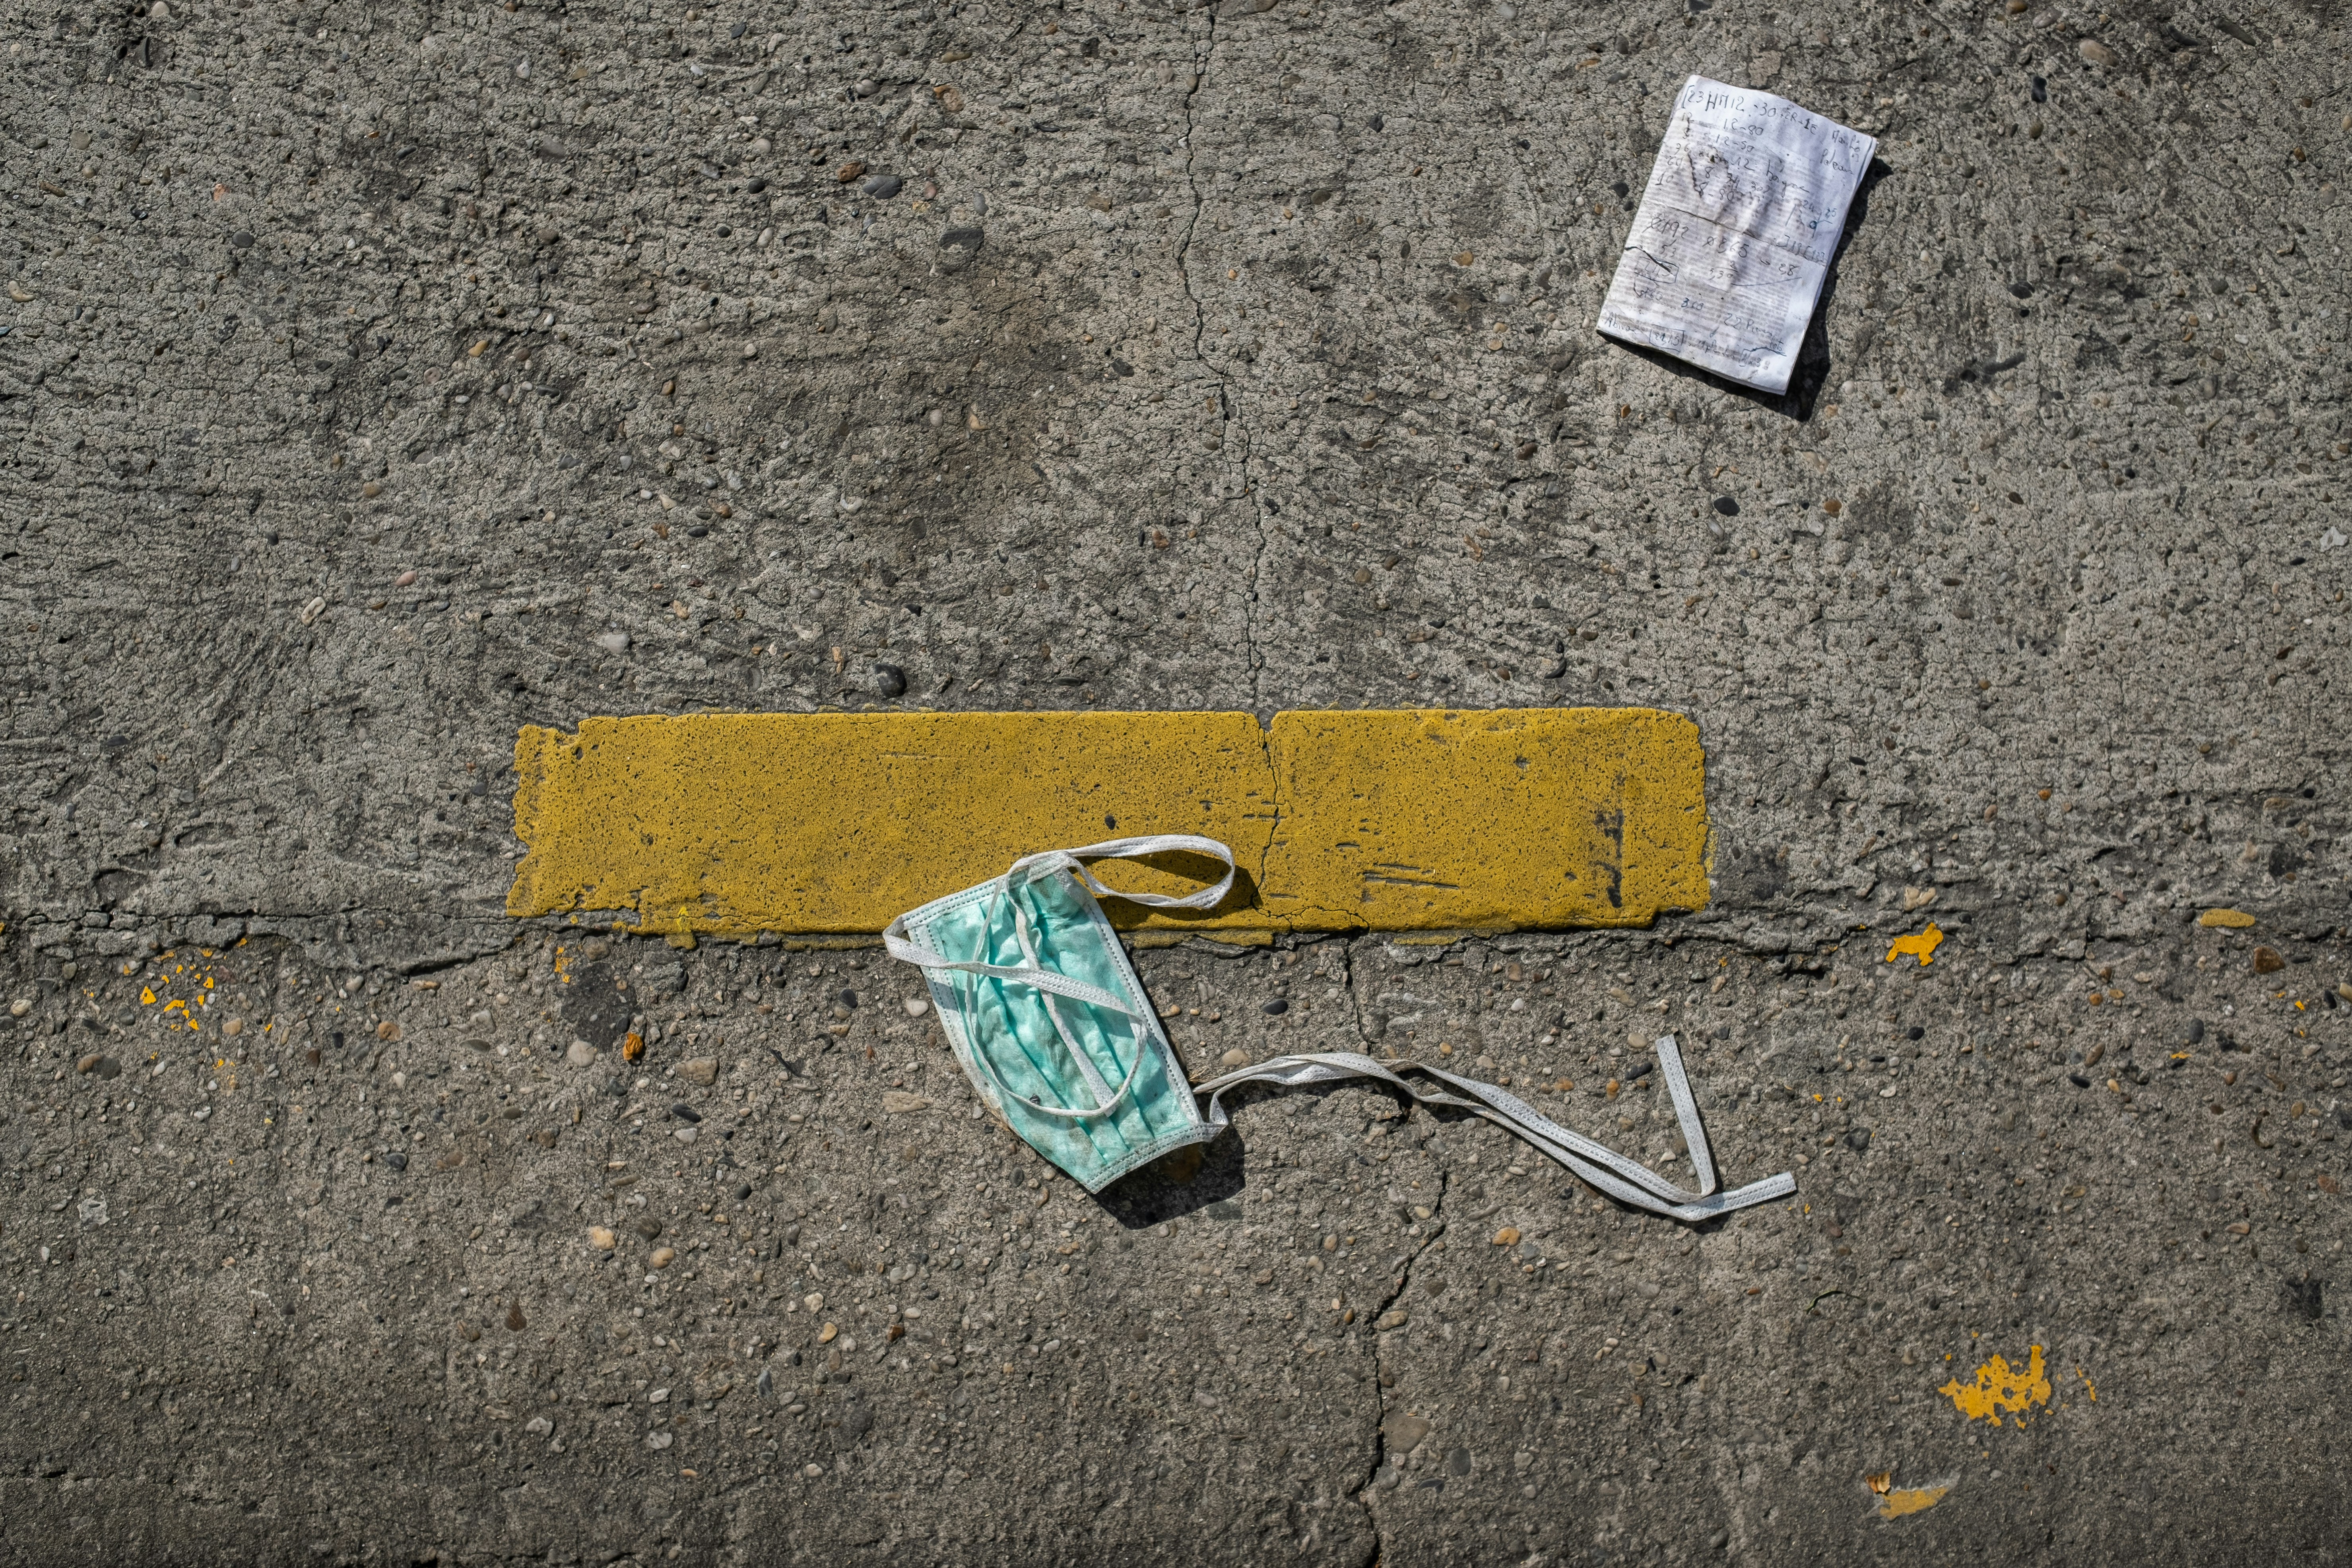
(1070, 860)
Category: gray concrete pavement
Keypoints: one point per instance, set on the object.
(380, 379)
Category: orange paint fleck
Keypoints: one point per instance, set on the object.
(1998, 1388)
(1922, 946)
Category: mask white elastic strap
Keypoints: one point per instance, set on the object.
(1295, 1070)
(1133, 850)
(1626, 1179)
(1653, 1192)
(1598, 1166)
(1702, 1158)
(1532, 1123)
(1518, 1117)
(1507, 1110)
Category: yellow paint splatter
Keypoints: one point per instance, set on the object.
(1998, 1388)
(146, 996)
(2088, 1386)
(1922, 946)
(2234, 920)
(1894, 1502)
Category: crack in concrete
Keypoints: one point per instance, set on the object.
(1184, 245)
(1403, 1283)
(1233, 426)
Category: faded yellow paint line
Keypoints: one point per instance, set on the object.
(1999, 1388)
(732, 824)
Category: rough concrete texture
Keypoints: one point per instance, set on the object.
(378, 379)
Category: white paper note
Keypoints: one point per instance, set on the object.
(1735, 233)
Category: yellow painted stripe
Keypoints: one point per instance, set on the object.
(731, 823)
(1430, 820)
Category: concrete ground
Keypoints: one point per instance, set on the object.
(380, 379)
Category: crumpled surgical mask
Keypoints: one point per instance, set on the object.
(1053, 1028)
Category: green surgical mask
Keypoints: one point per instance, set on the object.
(1045, 1014)
(1051, 1025)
